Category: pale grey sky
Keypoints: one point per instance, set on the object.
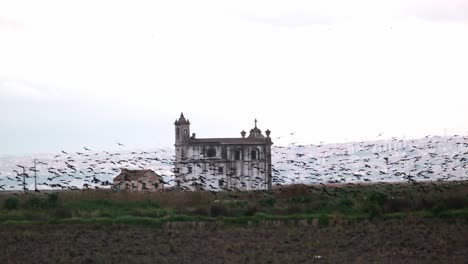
(90, 73)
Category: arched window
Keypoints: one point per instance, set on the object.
(185, 133)
(177, 133)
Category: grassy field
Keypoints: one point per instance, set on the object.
(323, 203)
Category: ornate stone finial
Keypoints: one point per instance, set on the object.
(243, 134)
(182, 120)
(255, 122)
(267, 132)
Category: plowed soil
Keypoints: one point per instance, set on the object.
(378, 241)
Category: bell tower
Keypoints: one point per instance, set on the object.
(182, 130)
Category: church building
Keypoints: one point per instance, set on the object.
(216, 164)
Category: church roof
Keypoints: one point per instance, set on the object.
(255, 136)
(231, 141)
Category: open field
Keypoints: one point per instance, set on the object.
(379, 223)
(413, 240)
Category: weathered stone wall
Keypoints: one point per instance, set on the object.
(193, 162)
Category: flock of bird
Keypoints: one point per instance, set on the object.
(432, 158)
(396, 160)
(79, 170)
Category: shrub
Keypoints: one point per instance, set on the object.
(36, 216)
(153, 204)
(200, 210)
(397, 205)
(219, 209)
(251, 210)
(439, 208)
(378, 198)
(294, 209)
(374, 210)
(374, 204)
(34, 203)
(453, 203)
(269, 201)
(152, 212)
(239, 204)
(11, 203)
(195, 198)
(323, 220)
(423, 203)
(316, 205)
(299, 199)
(345, 204)
(52, 200)
(62, 212)
(449, 203)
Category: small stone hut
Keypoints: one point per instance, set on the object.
(138, 180)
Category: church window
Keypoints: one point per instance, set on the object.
(189, 169)
(185, 133)
(221, 182)
(253, 155)
(144, 185)
(237, 155)
(220, 169)
(211, 152)
(224, 153)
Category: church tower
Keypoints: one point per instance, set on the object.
(182, 130)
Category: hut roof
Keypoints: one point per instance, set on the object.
(131, 175)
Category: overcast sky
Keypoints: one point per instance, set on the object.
(93, 73)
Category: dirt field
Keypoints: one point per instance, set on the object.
(389, 241)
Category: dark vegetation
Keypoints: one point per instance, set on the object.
(351, 202)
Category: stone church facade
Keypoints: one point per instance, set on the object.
(216, 164)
